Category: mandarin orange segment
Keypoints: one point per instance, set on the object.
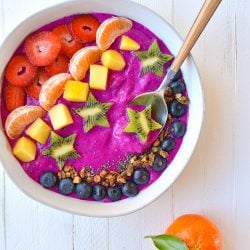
(52, 89)
(81, 61)
(197, 232)
(21, 117)
(110, 29)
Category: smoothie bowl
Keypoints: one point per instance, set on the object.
(69, 137)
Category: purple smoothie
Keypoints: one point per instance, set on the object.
(104, 146)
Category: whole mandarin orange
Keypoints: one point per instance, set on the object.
(197, 232)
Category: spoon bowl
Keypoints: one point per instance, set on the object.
(158, 105)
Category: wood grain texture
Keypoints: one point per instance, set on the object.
(216, 180)
(242, 124)
(91, 233)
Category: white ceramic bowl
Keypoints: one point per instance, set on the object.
(164, 31)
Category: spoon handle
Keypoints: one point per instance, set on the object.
(200, 23)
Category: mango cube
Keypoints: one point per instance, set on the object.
(129, 44)
(60, 116)
(98, 77)
(39, 131)
(76, 91)
(25, 150)
(112, 59)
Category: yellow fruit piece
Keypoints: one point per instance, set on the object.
(129, 44)
(39, 131)
(60, 116)
(25, 150)
(98, 77)
(112, 59)
(76, 91)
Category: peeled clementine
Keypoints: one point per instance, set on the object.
(197, 232)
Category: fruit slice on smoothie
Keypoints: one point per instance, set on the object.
(153, 60)
(42, 48)
(98, 77)
(76, 91)
(141, 123)
(14, 97)
(60, 116)
(110, 29)
(34, 89)
(20, 72)
(112, 59)
(84, 27)
(129, 44)
(81, 61)
(61, 149)
(39, 130)
(20, 118)
(94, 113)
(60, 65)
(69, 45)
(53, 89)
(25, 150)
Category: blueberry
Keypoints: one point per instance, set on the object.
(178, 129)
(168, 144)
(48, 179)
(66, 186)
(141, 176)
(99, 192)
(130, 189)
(159, 163)
(114, 193)
(177, 109)
(83, 190)
(178, 86)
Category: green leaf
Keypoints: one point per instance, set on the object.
(168, 242)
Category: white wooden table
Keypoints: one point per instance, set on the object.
(216, 182)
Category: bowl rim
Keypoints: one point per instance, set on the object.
(60, 202)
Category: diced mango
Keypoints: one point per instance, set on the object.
(113, 60)
(129, 44)
(39, 131)
(98, 77)
(76, 91)
(60, 116)
(25, 150)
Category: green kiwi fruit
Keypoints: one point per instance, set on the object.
(141, 123)
(94, 113)
(153, 60)
(61, 149)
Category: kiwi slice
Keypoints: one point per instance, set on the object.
(141, 123)
(61, 149)
(94, 113)
(153, 60)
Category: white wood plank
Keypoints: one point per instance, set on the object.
(208, 181)
(125, 233)
(2, 210)
(91, 233)
(242, 123)
(54, 226)
(21, 219)
(156, 218)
